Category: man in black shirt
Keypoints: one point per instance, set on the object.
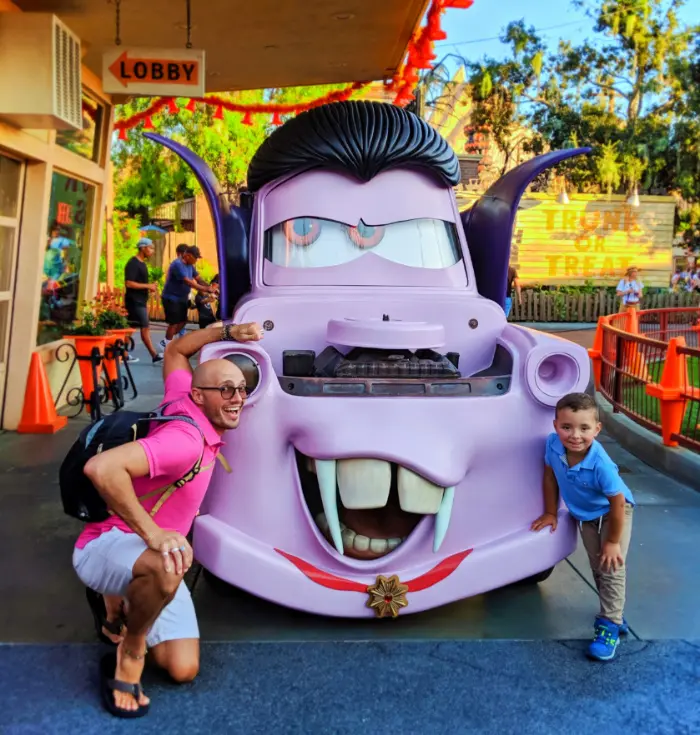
(138, 289)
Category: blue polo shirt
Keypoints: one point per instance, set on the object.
(585, 487)
(175, 287)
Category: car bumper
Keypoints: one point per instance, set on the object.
(282, 577)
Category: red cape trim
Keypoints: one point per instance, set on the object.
(325, 579)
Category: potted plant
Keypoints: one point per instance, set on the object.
(113, 318)
(86, 334)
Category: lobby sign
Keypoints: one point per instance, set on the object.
(154, 72)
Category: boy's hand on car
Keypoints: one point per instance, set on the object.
(611, 557)
(546, 519)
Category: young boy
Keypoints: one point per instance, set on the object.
(577, 466)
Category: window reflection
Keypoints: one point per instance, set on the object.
(68, 233)
(85, 142)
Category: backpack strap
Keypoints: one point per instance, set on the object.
(157, 415)
(170, 489)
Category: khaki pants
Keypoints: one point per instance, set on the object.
(610, 585)
(624, 307)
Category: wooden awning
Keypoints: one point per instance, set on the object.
(254, 45)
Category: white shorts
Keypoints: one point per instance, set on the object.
(106, 564)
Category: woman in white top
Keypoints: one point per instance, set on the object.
(629, 290)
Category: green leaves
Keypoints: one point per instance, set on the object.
(146, 174)
(485, 86)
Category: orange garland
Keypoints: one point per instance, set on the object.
(419, 55)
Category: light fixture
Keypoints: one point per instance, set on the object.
(633, 199)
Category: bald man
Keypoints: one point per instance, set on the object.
(137, 558)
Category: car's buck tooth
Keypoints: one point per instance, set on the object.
(416, 494)
(364, 483)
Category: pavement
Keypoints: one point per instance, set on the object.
(510, 661)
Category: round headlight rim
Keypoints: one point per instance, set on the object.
(256, 363)
(537, 387)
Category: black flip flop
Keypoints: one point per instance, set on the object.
(108, 685)
(99, 614)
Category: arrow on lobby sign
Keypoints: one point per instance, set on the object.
(155, 71)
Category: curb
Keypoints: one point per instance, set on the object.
(558, 326)
(679, 463)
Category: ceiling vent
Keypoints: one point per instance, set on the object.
(40, 79)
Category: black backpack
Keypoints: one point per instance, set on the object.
(80, 498)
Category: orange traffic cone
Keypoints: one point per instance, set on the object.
(39, 415)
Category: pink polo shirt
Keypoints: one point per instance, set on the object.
(172, 449)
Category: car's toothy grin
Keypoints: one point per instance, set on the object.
(366, 508)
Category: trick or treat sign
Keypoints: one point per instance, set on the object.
(593, 239)
(154, 72)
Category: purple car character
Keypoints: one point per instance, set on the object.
(391, 454)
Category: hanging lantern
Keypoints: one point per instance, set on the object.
(172, 106)
(191, 106)
(148, 124)
(219, 114)
(247, 119)
(276, 119)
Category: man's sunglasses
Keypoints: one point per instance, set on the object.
(227, 391)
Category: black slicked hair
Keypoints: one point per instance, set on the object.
(360, 138)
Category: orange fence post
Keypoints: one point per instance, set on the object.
(633, 355)
(596, 352)
(669, 390)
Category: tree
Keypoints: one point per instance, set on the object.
(146, 174)
(632, 86)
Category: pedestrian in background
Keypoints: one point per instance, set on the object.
(136, 294)
(629, 290)
(181, 279)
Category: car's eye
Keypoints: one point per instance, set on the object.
(303, 231)
(249, 368)
(365, 236)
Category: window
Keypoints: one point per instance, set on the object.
(67, 237)
(85, 142)
(311, 242)
(11, 184)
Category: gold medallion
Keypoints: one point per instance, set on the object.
(387, 596)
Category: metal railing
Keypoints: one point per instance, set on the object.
(647, 365)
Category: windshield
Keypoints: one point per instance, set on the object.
(310, 242)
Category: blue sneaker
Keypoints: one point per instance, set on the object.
(606, 641)
(624, 626)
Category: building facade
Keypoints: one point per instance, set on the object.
(54, 187)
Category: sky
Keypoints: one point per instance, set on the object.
(473, 33)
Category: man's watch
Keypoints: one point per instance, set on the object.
(226, 332)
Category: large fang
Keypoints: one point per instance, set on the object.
(364, 483)
(325, 471)
(442, 519)
(416, 494)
